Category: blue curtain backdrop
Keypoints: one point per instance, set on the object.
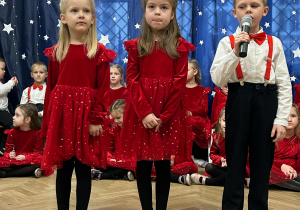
(27, 27)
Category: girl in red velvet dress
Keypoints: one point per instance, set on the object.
(219, 102)
(286, 166)
(154, 119)
(115, 169)
(24, 147)
(78, 78)
(197, 108)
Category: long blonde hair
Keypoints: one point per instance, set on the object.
(195, 64)
(90, 39)
(168, 39)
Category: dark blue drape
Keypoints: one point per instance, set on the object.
(201, 22)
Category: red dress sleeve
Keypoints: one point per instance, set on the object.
(137, 97)
(218, 104)
(10, 144)
(179, 81)
(98, 111)
(52, 78)
(215, 150)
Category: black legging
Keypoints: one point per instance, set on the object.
(20, 171)
(112, 173)
(143, 173)
(218, 175)
(63, 184)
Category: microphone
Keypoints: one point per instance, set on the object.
(246, 22)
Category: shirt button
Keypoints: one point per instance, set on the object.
(257, 87)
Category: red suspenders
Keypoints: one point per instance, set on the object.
(239, 72)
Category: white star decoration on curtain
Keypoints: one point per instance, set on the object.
(267, 25)
(296, 53)
(125, 60)
(294, 12)
(7, 28)
(49, 2)
(31, 22)
(223, 1)
(201, 42)
(104, 40)
(137, 26)
(213, 93)
(293, 79)
(23, 56)
(46, 37)
(200, 13)
(59, 22)
(2, 3)
(224, 31)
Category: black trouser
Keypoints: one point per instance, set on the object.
(6, 122)
(249, 114)
(199, 153)
(218, 175)
(63, 184)
(143, 172)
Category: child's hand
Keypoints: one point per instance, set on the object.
(15, 80)
(189, 113)
(95, 130)
(241, 37)
(150, 121)
(289, 171)
(223, 162)
(159, 124)
(20, 157)
(12, 154)
(280, 132)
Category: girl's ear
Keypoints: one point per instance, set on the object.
(27, 120)
(195, 71)
(172, 17)
(63, 18)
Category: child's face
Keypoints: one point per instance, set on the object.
(78, 17)
(191, 72)
(254, 8)
(293, 120)
(158, 15)
(2, 70)
(224, 90)
(117, 115)
(39, 74)
(19, 118)
(115, 76)
(222, 122)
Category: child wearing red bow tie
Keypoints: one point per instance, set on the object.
(35, 94)
(258, 104)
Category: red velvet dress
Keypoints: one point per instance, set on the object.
(73, 101)
(287, 152)
(26, 143)
(217, 150)
(218, 104)
(113, 143)
(155, 84)
(197, 103)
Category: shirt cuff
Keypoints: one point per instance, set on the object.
(282, 122)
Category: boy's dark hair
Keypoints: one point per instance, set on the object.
(39, 63)
(30, 110)
(263, 1)
(118, 104)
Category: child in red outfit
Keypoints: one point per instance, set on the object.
(219, 102)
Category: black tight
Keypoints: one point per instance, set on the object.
(143, 173)
(20, 171)
(63, 184)
(218, 175)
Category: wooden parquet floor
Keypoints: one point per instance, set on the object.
(35, 194)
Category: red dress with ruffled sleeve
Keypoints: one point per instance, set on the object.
(219, 103)
(287, 152)
(197, 104)
(73, 101)
(155, 84)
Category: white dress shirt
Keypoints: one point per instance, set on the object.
(223, 70)
(4, 90)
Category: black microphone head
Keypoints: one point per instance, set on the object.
(246, 20)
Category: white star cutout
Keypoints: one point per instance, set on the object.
(7, 28)
(293, 79)
(49, 2)
(2, 3)
(201, 42)
(114, 19)
(200, 13)
(224, 31)
(59, 22)
(125, 60)
(46, 37)
(104, 40)
(182, 1)
(213, 93)
(31, 22)
(296, 53)
(137, 26)
(23, 56)
(223, 1)
(267, 25)
(294, 12)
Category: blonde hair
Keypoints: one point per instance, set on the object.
(30, 110)
(263, 1)
(120, 69)
(39, 63)
(195, 64)
(2, 60)
(297, 128)
(90, 38)
(117, 105)
(168, 39)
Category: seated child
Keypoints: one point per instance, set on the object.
(218, 103)
(24, 147)
(115, 169)
(35, 94)
(5, 116)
